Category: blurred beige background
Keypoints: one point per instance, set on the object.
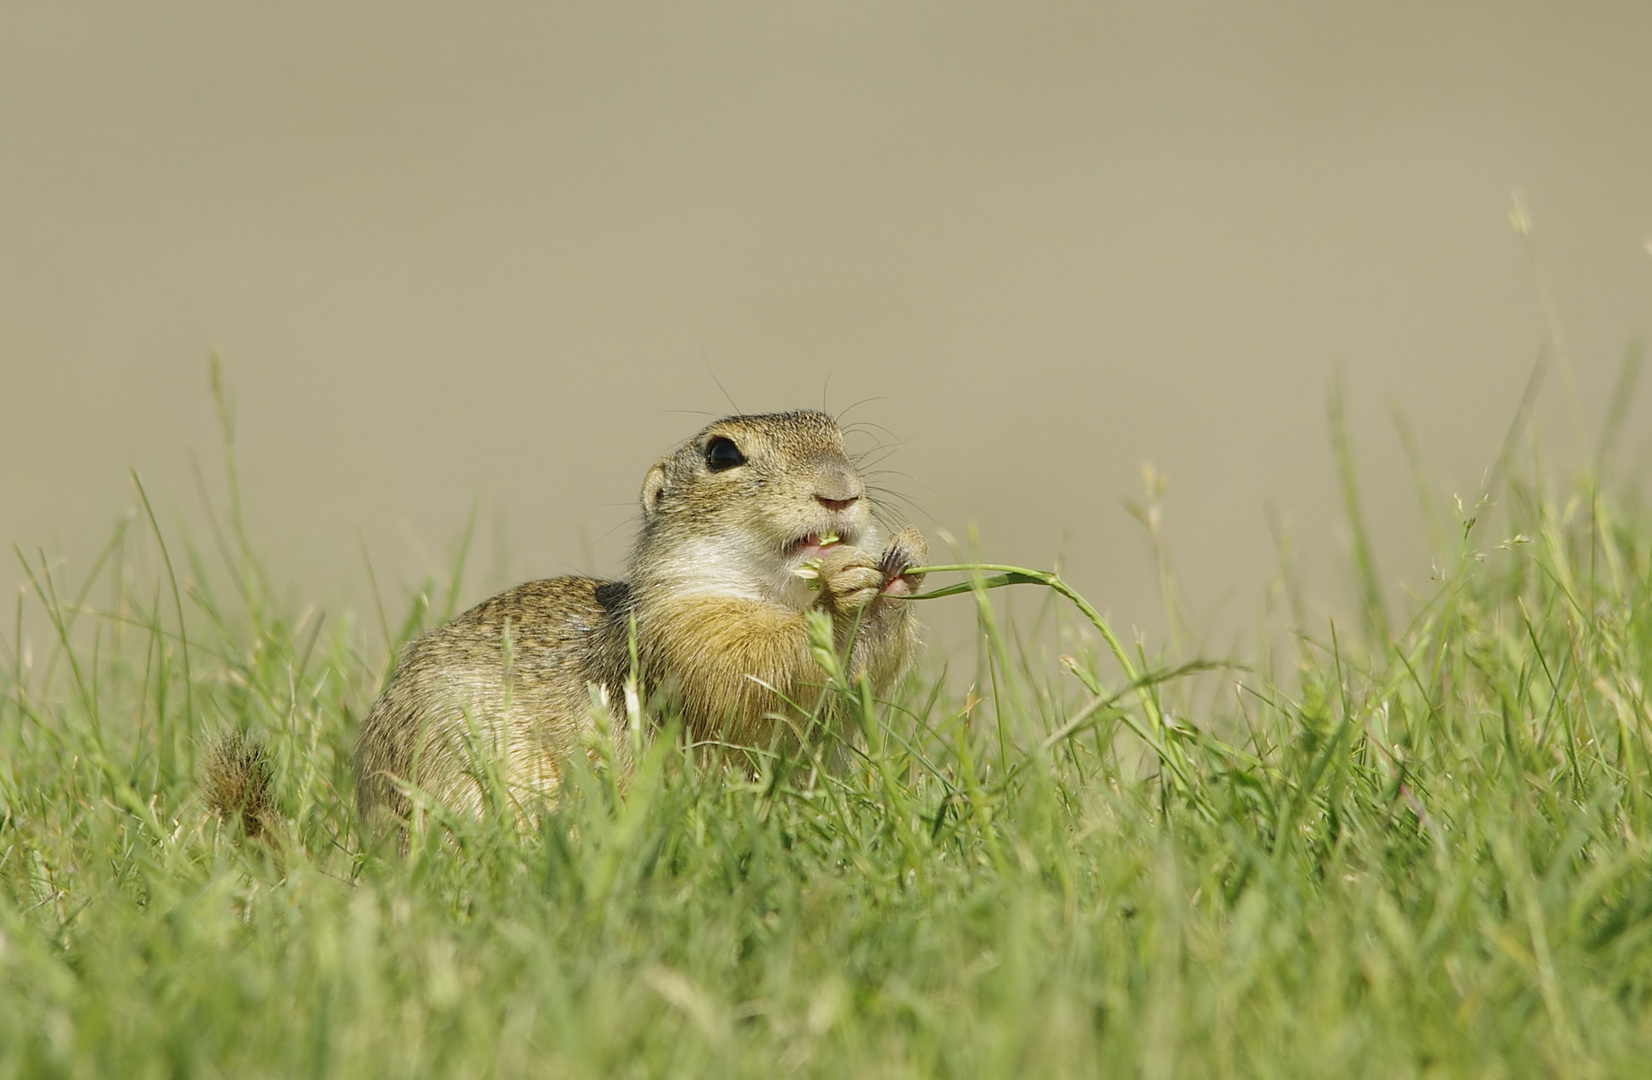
(509, 254)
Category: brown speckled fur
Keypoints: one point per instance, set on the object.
(719, 618)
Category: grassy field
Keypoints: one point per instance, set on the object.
(1410, 848)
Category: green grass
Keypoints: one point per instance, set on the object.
(1424, 851)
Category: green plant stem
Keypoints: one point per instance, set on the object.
(1167, 750)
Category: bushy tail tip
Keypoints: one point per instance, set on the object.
(239, 782)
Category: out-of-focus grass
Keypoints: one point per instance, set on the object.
(1424, 852)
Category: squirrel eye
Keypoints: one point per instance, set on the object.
(722, 454)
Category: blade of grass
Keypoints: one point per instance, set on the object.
(1365, 562)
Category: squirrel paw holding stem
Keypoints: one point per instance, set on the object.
(852, 579)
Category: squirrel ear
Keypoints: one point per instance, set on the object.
(653, 486)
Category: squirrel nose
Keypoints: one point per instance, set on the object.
(836, 504)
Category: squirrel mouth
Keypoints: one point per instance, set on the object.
(816, 544)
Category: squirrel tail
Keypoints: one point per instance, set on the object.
(239, 783)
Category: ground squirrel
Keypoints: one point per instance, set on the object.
(745, 527)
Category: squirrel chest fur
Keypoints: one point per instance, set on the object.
(718, 602)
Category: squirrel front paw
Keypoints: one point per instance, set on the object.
(850, 579)
(906, 549)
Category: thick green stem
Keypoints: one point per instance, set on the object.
(1168, 752)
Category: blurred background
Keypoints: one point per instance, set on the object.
(504, 256)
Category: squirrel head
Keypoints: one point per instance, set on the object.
(742, 505)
